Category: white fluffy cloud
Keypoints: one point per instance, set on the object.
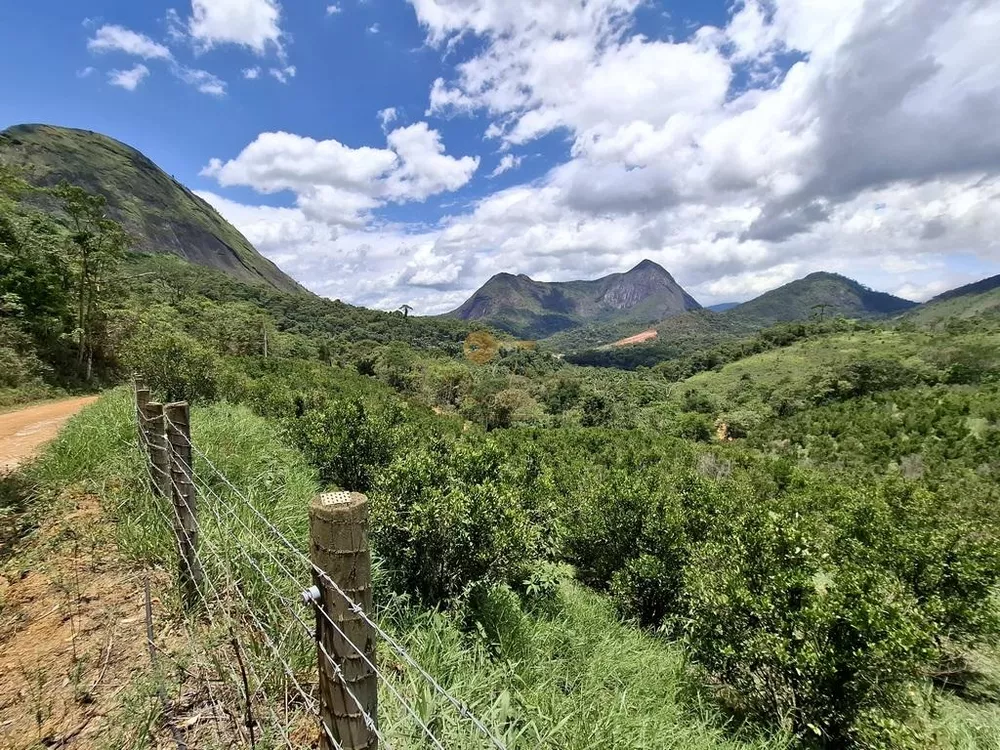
(425, 169)
(251, 23)
(876, 154)
(339, 184)
(113, 38)
(128, 79)
(507, 163)
(283, 75)
(251, 73)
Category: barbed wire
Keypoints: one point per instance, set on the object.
(461, 708)
(369, 721)
(212, 622)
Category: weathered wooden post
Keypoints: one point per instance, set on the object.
(338, 541)
(178, 439)
(155, 428)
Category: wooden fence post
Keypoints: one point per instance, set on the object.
(178, 444)
(155, 430)
(338, 542)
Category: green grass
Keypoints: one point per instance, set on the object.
(569, 675)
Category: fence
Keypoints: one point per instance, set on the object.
(269, 632)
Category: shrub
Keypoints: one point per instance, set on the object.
(826, 649)
(693, 426)
(174, 365)
(350, 441)
(445, 520)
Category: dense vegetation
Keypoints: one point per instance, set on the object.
(808, 514)
(816, 572)
(818, 297)
(159, 213)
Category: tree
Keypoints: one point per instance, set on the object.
(481, 347)
(97, 243)
(406, 310)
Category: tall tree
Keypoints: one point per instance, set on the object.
(97, 244)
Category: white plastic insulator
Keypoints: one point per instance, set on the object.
(311, 595)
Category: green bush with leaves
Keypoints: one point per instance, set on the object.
(172, 363)
(447, 519)
(351, 440)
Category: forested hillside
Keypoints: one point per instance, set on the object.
(159, 214)
(816, 297)
(781, 535)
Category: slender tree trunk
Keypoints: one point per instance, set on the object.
(81, 320)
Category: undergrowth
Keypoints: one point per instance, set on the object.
(559, 672)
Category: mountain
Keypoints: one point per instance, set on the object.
(819, 294)
(723, 306)
(162, 215)
(979, 298)
(976, 287)
(534, 309)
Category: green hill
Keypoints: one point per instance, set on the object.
(981, 298)
(535, 309)
(160, 214)
(822, 294)
(816, 296)
(975, 288)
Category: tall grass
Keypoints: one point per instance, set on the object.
(567, 675)
(570, 677)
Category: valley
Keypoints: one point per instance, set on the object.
(600, 514)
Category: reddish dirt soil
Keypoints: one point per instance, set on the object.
(24, 431)
(637, 339)
(72, 632)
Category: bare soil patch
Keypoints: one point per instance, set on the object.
(637, 339)
(72, 632)
(24, 431)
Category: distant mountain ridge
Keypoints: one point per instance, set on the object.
(976, 287)
(818, 295)
(161, 215)
(535, 309)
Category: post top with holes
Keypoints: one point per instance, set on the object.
(340, 498)
(339, 507)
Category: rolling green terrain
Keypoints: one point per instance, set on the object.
(160, 214)
(532, 309)
(782, 534)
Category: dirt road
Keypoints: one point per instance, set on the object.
(24, 431)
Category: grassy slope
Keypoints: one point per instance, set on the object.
(684, 334)
(160, 213)
(797, 370)
(571, 678)
(951, 308)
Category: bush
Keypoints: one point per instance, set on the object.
(445, 519)
(174, 365)
(350, 441)
(826, 649)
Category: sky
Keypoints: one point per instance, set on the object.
(403, 151)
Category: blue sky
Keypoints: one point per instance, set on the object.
(389, 151)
